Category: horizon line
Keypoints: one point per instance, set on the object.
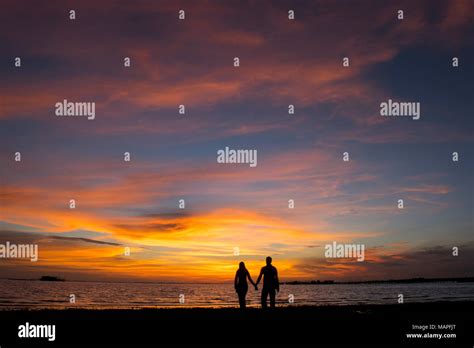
(290, 282)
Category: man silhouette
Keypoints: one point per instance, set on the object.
(271, 285)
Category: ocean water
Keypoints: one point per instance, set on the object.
(18, 294)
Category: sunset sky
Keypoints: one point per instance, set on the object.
(135, 204)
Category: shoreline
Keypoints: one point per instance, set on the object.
(280, 312)
(283, 306)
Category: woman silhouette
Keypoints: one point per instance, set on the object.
(240, 283)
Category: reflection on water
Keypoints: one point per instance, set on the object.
(36, 294)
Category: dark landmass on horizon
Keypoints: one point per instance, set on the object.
(409, 280)
(51, 279)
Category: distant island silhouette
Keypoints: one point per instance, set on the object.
(51, 279)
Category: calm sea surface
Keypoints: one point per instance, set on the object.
(17, 294)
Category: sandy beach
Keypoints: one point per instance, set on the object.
(352, 312)
(333, 324)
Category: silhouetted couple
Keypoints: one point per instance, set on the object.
(271, 285)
